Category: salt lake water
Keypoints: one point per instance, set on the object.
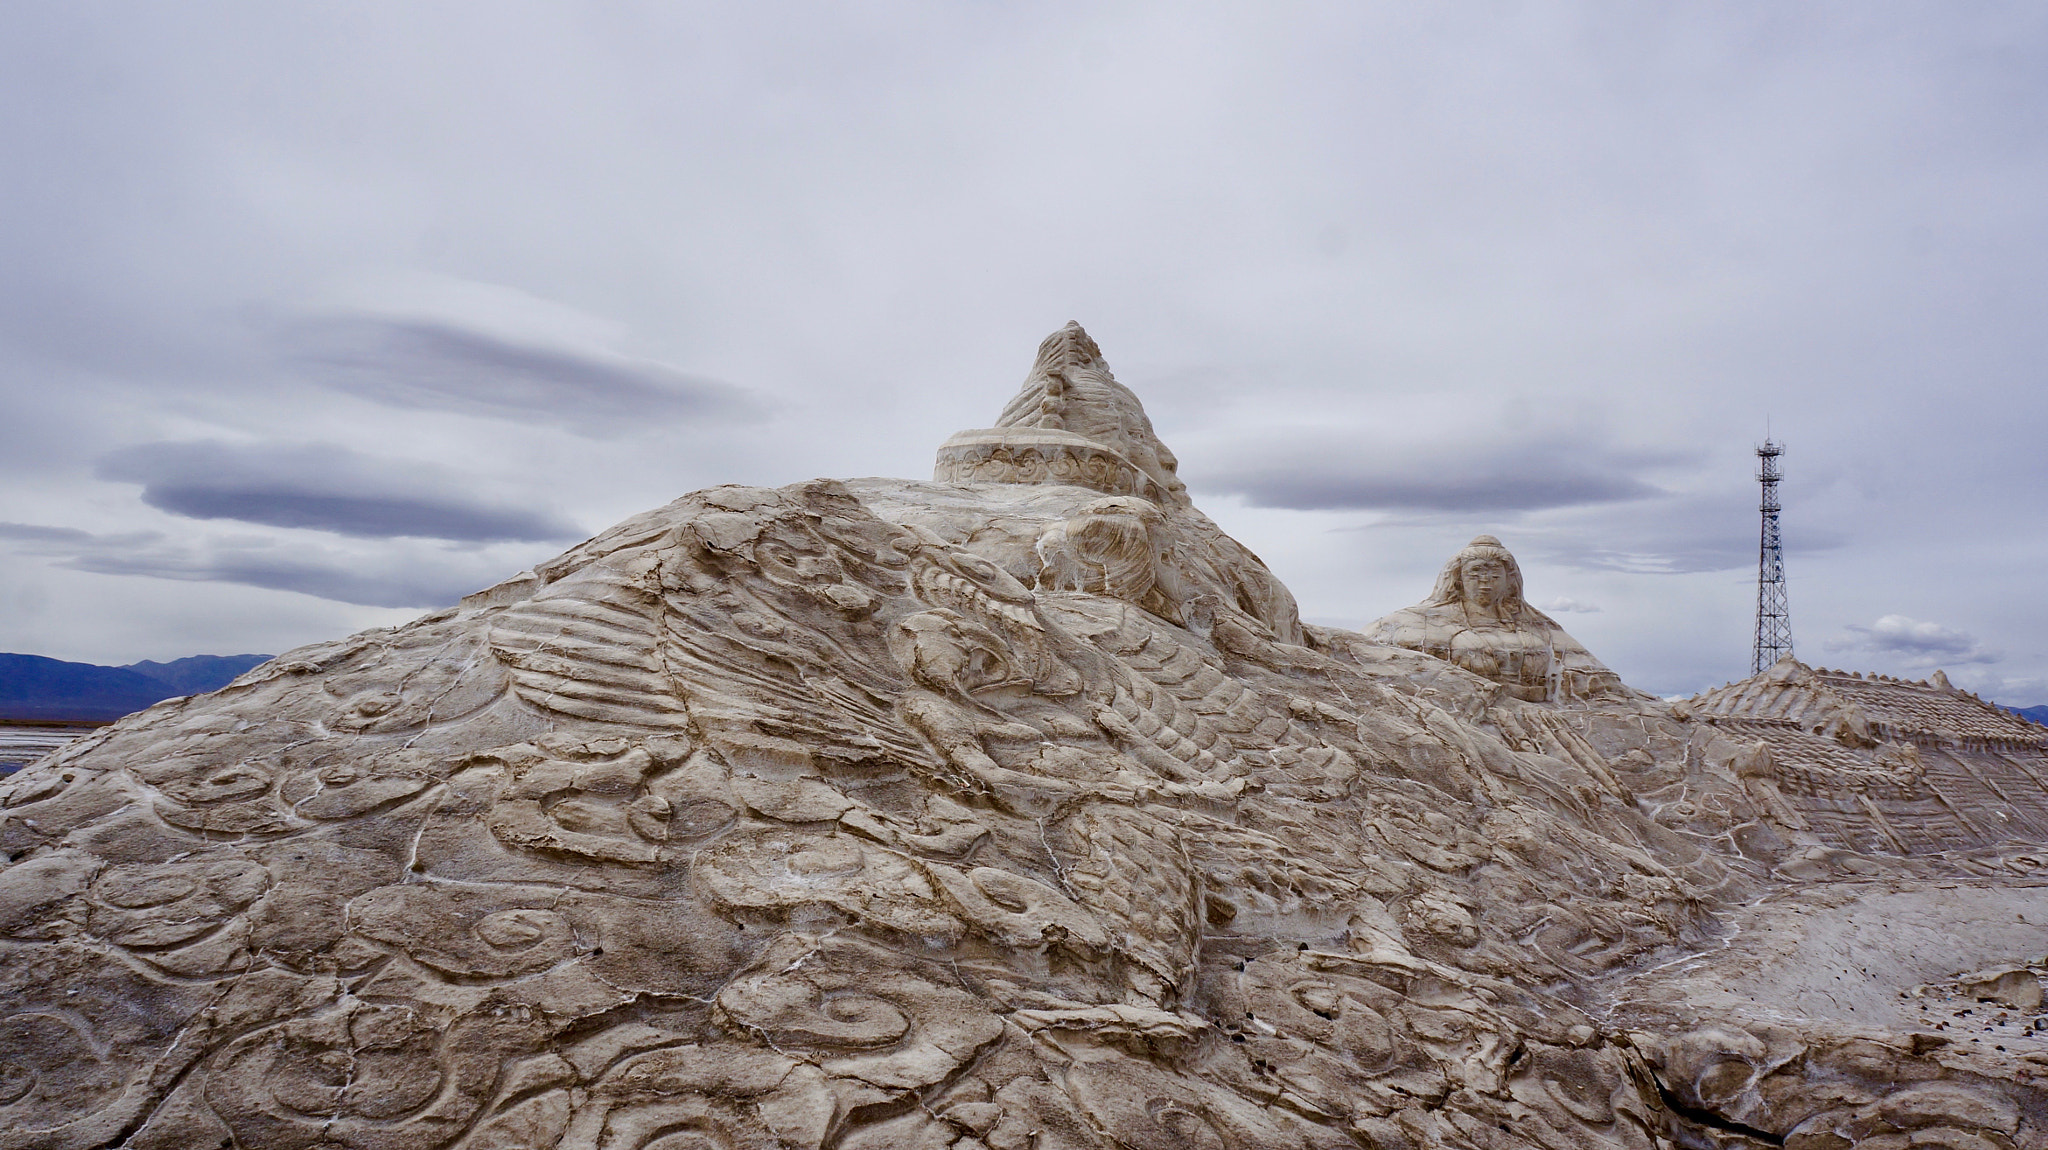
(20, 746)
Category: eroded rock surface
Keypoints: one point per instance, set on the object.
(1015, 809)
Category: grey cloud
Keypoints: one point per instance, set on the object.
(392, 576)
(322, 487)
(342, 582)
(1343, 488)
(427, 363)
(1674, 553)
(36, 533)
(2011, 690)
(1681, 533)
(1678, 534)
(1670, 534)
(1920, 643)
(43, 539)
(1331, 473)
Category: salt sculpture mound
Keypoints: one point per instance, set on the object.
(1477, 618)
(1012, 809)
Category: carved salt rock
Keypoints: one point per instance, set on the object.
(1477, 618)
(2016, 987)
(1120, 547)
(1012, 810)
(1926, 758)
(1072, 425)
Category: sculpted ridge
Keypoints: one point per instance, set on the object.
(1014, 809)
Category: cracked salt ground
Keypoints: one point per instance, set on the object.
(1017, 810)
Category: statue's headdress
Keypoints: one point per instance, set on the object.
(1072, 423)
(1450, 588)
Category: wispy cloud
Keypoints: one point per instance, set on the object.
(36, 533)
(1677, 534)
(323, 487)
(302, 570)
(390, 574)
(1506, 470)
(484, 349)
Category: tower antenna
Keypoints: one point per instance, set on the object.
(1773, 616)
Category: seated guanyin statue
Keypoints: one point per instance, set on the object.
(1477, 618)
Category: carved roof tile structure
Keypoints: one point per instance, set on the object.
(1875, 762)
(1794, 693)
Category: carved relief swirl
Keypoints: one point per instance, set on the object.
(52, 1072)
(695, 1097)
(367, 1076)
(836, 1000)
(484, 933)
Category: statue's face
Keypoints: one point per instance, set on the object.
(1484, 580)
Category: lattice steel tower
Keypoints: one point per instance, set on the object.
(1773, 618)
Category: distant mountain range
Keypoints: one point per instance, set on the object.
(2037, 714)
(33, 687)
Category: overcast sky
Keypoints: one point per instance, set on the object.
(317, 315)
